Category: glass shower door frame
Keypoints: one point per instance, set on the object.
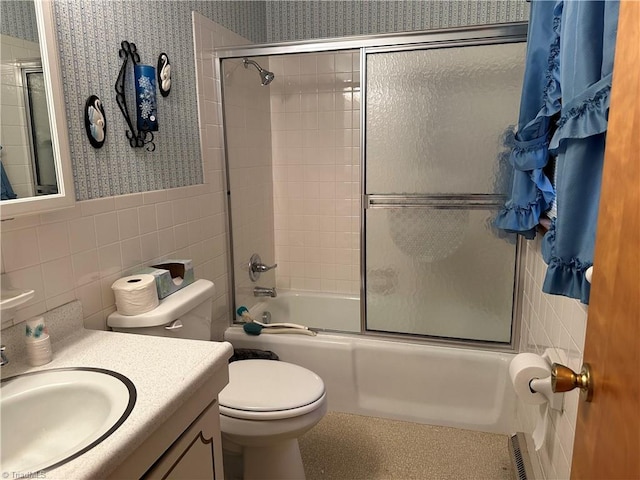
(441, 38)
(431, 201)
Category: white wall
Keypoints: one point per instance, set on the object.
(77, 253)
(550, 321)
(248, 130)
(315, 115)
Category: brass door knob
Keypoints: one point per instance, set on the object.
(563, 379)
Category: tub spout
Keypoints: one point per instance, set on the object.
(265, 292)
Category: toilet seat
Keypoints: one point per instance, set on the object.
(270, 390)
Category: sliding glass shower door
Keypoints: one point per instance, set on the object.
(437, 125)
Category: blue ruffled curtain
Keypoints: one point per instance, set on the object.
(576, 109)
(532, 192)
(6, 191)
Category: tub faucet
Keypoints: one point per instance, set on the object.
(3, 357)
(265, 292)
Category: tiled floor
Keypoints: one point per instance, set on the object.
(350, 447)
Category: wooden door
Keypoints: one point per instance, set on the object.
(607, 442)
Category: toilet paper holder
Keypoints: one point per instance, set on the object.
(563, 379)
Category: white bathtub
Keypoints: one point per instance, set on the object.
(315, 310)
(387, 378)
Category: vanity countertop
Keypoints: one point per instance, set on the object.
(165, 372)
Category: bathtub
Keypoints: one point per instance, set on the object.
(385, 378)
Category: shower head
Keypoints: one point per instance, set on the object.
(266, 77)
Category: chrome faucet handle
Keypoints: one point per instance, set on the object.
(3, 357)
(256, 267)
(261, 267)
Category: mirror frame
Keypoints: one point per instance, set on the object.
(58, 121)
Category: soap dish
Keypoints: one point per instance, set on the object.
(10, 299)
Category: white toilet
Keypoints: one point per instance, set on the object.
(267, 404)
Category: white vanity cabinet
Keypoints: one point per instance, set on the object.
(196, 454)
(188, 445)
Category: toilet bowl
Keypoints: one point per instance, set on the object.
(265, 407)
(267, 404)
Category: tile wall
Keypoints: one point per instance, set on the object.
(550, 321)
(77, 253)
(315, 117)
(248, 130)
(14, 136)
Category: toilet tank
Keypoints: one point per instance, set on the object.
(184, 314)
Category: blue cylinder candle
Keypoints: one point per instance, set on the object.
(146, 109)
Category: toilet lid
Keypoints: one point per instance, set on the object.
(269, 386)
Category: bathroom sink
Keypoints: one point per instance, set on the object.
(53, 416)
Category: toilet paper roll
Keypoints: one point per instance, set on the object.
(542, 424)
(526, 367)
(135, 294)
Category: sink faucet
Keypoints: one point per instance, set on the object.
(265, 292)
(4, 360)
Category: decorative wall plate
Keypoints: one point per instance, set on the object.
(95, 122)
(164, 74)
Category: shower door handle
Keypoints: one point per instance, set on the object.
(469, 201)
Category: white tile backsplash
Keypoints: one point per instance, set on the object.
(106, 225)
(150, 249)
(82, 234)
(90, 296)
(86, 267)
(20, 249)
(109, 260)
(147, 219)
(128, 201)
(53, 241)
(128, 223)
(57, 276)
(98, 205)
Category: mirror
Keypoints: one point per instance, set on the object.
(36, 173)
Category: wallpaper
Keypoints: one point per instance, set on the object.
(90, 31)
(89, 35)
(300, 20)
(18, 19)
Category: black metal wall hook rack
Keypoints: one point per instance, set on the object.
(137, 138)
